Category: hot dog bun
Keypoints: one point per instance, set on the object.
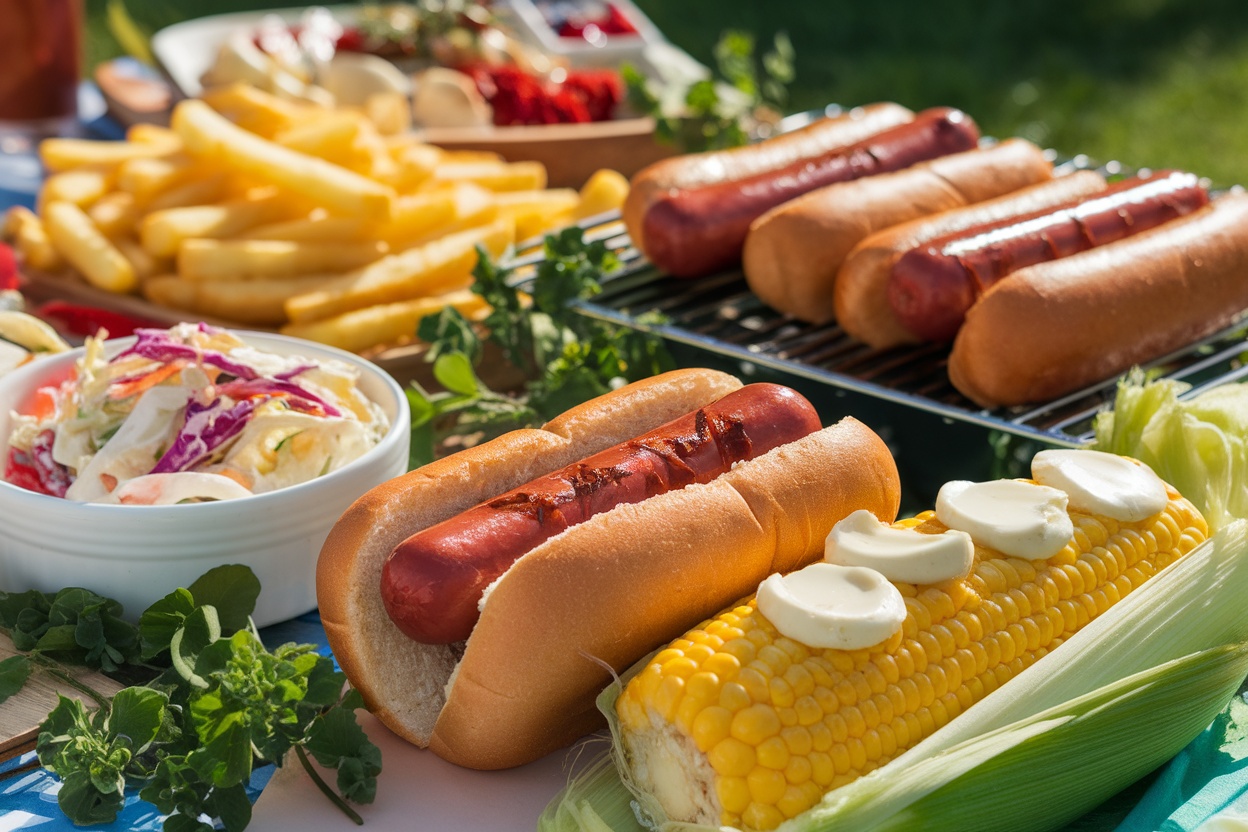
(696, 170)
(611, 588)
(1054, 328)
(860, 292)
(793, 252)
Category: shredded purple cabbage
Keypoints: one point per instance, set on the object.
(204, 429)
(156, 345)
(289, 374)
(207, 427)
(299, 398)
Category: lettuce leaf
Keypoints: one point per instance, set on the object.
(1199, 445)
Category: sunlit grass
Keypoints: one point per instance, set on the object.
(1162, 83)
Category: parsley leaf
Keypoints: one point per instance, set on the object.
(217, 703)
(747, 97)
(567, 357)
(14, 671)
(74, 625)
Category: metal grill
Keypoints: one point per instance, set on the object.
(721, 316)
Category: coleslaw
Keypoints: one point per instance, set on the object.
(190, 414)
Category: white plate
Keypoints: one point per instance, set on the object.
(419, 790)
(186, 50)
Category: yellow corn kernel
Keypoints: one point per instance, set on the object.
(710, 727)
(754, 724)
(734, 794)
(762, 816)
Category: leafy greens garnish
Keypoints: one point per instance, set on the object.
(216, 703)
(711, 113)
(567, 357)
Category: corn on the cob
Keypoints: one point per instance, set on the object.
(736, 724)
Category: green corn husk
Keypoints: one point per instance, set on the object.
(1045, 771)
(1162, 649)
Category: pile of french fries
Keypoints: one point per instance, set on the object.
(335, 225)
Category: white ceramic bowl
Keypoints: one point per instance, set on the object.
(139, 554)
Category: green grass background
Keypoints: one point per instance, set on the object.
(1162, 83)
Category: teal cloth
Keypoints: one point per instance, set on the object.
(1205, 787)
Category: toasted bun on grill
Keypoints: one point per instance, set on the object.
(1053, 328)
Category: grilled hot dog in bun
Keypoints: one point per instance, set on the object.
(609, 588)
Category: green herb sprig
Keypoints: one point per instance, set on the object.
(568, 358)
(745, 98)
(215, 704)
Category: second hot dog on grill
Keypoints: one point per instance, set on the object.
(933, 285)
(861, 289)
(793, 252)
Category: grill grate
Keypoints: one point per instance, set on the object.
(722, 316)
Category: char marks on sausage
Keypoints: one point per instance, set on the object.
(433, 581)
(933, 286)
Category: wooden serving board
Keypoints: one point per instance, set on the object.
(570, 152)
(21, 714)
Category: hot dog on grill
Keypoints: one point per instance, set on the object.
(933, 285)
(698, 170)
(609, 588)
(695, 231)
(861, 288)
(793, 252)
(1056, 327)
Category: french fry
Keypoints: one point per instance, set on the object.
(260, 302)
(203, 191)
(474, 207)
(331, 136)
(145, 178)
(373, 156)
(253, 109)
(162, 233)
(387, 323)
(472, 156)
(604, 191)
(116, 213)
(65, 154)
(416, 215)
(437, 267)
(416, 164)
(496, 176)
(249, 259)
(87, 249)
(538, 211)
(315, 230)
(390, 112)
(29, 235)
(170, 291)
(154, 134)
(209, 135)
(82, 186)
(145, 265)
